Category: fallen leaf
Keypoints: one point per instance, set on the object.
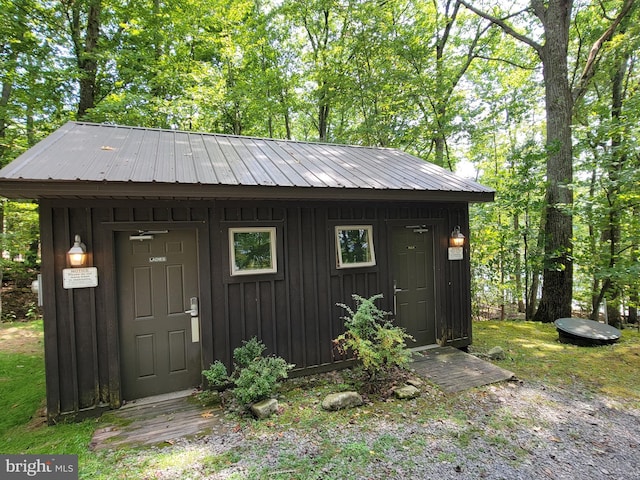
(206, 414)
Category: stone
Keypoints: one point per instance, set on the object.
(407, 392)
(265, 408)
(338, 401)
(416, 382)
(496, 353)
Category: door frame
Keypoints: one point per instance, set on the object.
(109, 277)
(439, 249)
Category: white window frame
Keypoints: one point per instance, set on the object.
(233, 269)
(372, 253)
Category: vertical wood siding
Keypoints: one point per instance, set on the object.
(293, 312)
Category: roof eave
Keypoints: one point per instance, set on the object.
(28, 189)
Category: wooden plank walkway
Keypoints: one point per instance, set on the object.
(454, 370)
(158, 421)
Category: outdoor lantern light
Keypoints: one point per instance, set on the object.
(78, 253)
(457, 238)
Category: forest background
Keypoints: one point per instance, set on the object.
(538, 99)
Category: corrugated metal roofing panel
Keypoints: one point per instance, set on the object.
(287, 153)
(204, 170)
(335, 173)
(87, 152)
(273, 157)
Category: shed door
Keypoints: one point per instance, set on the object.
(413, 277)
(159, 337)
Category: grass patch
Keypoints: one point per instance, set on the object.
(534, 353)
(22, 388)
(22, 381)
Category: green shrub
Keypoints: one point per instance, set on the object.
(248, 352)
(373, 339)
(217, 375)
(254, 377)
(259, 379)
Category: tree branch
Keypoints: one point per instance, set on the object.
(506, 27)
(504, 60)
(589, 68)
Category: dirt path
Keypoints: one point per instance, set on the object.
(23, 338)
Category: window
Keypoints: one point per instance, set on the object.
(253, 250)
(354, 245)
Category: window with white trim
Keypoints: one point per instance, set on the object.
(252, 250)
(354, 246)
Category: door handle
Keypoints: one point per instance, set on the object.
(396, 290)
(194, 307)
(195, 321)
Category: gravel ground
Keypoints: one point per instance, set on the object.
(505, 431)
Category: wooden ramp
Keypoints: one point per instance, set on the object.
(454, 370)
(157, 421)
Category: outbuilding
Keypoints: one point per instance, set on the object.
(163, 250)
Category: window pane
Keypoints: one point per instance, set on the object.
(253, 250)
(355, 246)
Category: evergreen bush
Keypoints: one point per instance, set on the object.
(254, 377)
(373, 339)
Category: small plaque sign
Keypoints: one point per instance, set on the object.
(80, 277)
(456, 253)
(157, 259)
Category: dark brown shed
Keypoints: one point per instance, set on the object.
(198, 241)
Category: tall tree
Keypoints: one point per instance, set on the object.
(555, 19)
(84, 22)
(325, 26)
(437, 44)
(607, 119)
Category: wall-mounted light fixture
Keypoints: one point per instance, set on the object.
(457, 238)
(77, 254)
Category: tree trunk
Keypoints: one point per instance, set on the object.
(614, 170)
(323, 113)
(518, 269)
(558, 265)
(5, 95)
(634, 293)
(535, 274)
(87, 55)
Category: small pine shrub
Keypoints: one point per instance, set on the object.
(254, 377)
(248, 352)
(259, 379)
(217, 375)
(373, 339)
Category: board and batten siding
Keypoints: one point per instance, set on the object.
(293, 311)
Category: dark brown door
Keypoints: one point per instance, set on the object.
(413, 277)
(159, 335)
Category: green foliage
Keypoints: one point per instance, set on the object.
(254, 377)
(21, 233)
(248, 352)
(372, 338)
(259, 379)
(217, 374)
(18, 272)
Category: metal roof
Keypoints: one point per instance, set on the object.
(86, 160)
